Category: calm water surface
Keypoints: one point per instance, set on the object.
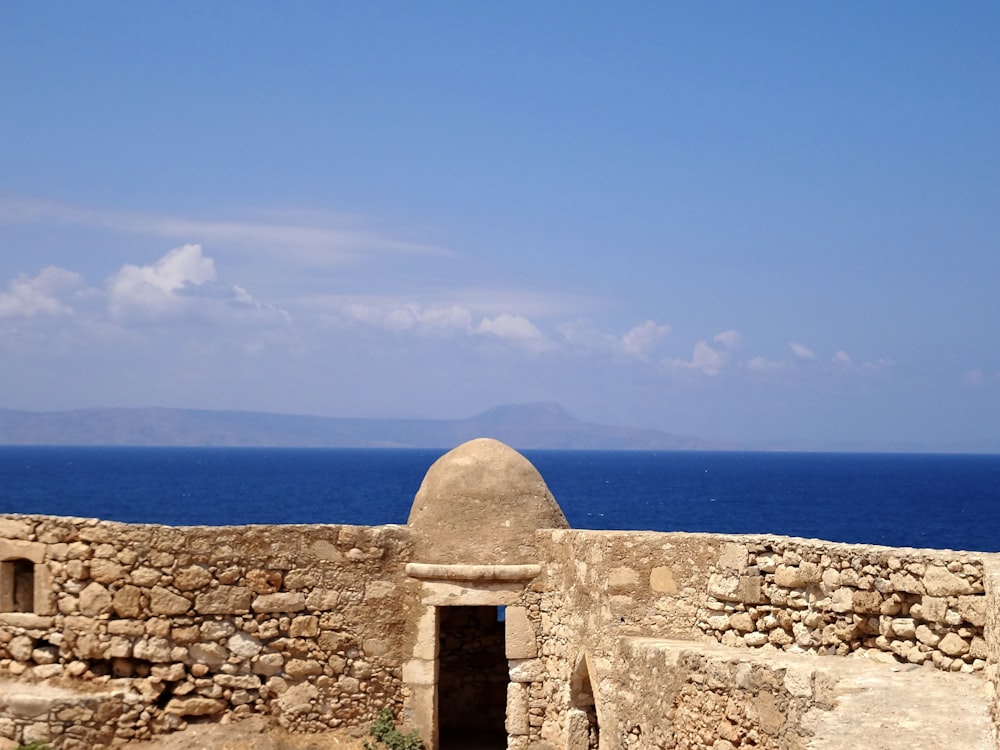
(943, 501)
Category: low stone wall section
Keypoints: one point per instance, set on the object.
(73, 720)
(682, 695)
(755, 592)
(305, 624)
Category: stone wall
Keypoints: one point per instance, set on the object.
(317, 627)
(684, 696)
(805, 595)
(776, 594)
(992, 632)
(303, 623)
(599, 588)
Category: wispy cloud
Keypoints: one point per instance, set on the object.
(764, 365)
(805, 359)
(842, 363)
(312, 239)
(979, 376)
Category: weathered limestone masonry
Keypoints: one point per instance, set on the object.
(187, 624)
(486, 616)
(617, 602)
(919, 605)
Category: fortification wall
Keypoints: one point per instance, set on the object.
(318, 627)
(777, 594)
(306, 624)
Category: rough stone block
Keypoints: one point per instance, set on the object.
(749, 589)
(724, 587)
(866, 602)
(224, 600)
(244, 645)
(95, 600)
(526, 670)
(306, 626)
(12, 549)
(939, 581)
(933, 608)
(623, 579)
(906, 583)
(322, 600)
(286, 602)
(519, 634)
(517, 709)
(106, 571)
(194, 706)
(191, 578)
(420, 672)
(165, 602)
(127, 602)
(842, 600)
(210, 654)
(426, 645)
(661, 579)
(734, 556)
(953, 645)
(790, 576)
(973, 610)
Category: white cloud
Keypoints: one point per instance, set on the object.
(42, 295)
(584, 334)
(841, 362)
(435, 319)
(762, 364)
(640, 339)
(802, 352)
(513, 328)
(729, 339)
(704, 359)
(158, 289)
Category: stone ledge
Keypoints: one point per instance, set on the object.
(439, 572)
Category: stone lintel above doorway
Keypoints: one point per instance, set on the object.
(471, 585)
(439, 572)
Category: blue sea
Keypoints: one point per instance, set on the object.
(942, 501)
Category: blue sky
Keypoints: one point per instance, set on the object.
(749, 222)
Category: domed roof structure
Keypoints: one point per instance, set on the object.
(481, 504)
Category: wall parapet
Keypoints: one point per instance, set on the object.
(804, 595)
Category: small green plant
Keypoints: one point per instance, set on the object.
(386, 735)
(33, 746)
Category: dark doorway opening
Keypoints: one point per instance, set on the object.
(583, 700)
(472, 679)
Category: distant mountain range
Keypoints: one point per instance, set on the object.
(523, 426)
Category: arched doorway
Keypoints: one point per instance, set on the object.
(583, 726)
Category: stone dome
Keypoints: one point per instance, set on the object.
(481, 504)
